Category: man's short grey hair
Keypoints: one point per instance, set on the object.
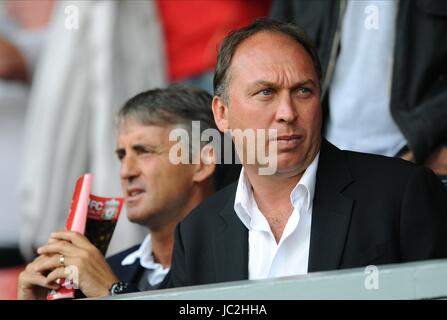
(234, 39)
(174, 105)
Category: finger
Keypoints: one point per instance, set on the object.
(32, 265)
(59, 247)
(29, 280)
(59, 273)
(50, 263)
(52, 240)
(43, 257)
(76, 238)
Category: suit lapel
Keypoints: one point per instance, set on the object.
(231, 245)
(127, 273)
(132, 272)
(331, 210)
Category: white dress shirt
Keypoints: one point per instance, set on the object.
(156, 271)
(266, 257)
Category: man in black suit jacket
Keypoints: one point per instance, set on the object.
(365, 209)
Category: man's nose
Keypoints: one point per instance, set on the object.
(286, 111)
(129, 168)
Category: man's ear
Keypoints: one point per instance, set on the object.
(206, 166)
(220, 112)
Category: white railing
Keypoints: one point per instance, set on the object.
(416, 280)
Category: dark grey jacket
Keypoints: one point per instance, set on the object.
(419, 83)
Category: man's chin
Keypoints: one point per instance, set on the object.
(288, 171)
(137, 217)
(288, 167)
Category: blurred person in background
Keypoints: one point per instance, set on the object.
(385, 66)
(23, 26)
(23, 29)
(12, 62)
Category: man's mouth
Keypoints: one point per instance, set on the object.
(133, 194)
(289, 137)
(289, 141)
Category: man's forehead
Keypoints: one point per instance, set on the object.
(267, 42)
(129, 125)
(272, 57)
(136, 130)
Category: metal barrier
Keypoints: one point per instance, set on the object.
(415, 280)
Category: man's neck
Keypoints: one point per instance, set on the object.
(162, 242)
(272, 189)
(272, 195)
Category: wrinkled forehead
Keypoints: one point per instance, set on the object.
(268, 54)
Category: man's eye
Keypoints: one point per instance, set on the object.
(304, 91)
(120, 156)
(265, 92)
(145, 152)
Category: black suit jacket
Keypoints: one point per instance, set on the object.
(131, 273)
(367, 209)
